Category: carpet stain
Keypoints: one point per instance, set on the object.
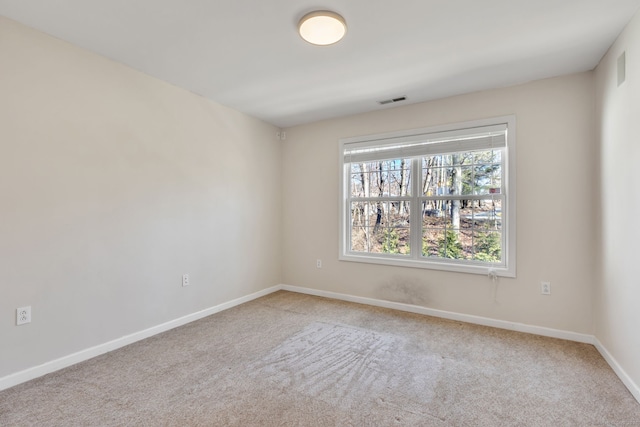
(344, 366)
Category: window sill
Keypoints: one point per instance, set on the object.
(440, 264)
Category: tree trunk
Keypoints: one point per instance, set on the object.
(364, 177)
(403, 189)
(379, 208)
(456, 190)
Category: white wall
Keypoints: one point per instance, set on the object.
(617, 296)
(112, 185)
(555, 207)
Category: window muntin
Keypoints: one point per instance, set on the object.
(455, 216)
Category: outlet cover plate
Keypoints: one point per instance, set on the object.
(23, 315)
(545, 288)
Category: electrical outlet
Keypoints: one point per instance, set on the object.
(185, 280)
(545, 288)
(319, 263)
(23, 315)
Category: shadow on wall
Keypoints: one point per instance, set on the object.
(405, 290)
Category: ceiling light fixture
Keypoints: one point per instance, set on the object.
(322, 27)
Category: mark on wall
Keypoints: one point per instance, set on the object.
(405, 290)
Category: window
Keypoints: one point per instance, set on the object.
(437, 198)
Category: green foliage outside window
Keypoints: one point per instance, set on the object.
(391, 244)
(449, 246)
(488, 247)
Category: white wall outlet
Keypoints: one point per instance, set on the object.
(185, 280)
(545, 288)
(23, 315)
(319, 263)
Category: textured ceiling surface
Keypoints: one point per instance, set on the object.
(246, 54)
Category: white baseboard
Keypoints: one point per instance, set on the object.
(65, 361)
(468, 318)
(624, 377)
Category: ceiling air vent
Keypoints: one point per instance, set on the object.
(391, 101)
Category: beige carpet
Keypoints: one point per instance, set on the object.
(295, 360)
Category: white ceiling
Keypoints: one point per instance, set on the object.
(246, 54)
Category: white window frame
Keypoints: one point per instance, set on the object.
(433, 137)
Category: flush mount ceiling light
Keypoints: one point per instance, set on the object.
(322, 27)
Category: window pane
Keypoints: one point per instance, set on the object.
(487, 171)
(430, 242)
(487, 156)
(356, 185)
(447, 174)
(437, 181)
(360, 180)
(441, 235)
(432, 175)
(380, 227)
(381, 179)
(446, 159)
(468, 179)
(399, 177)
(487, 246)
